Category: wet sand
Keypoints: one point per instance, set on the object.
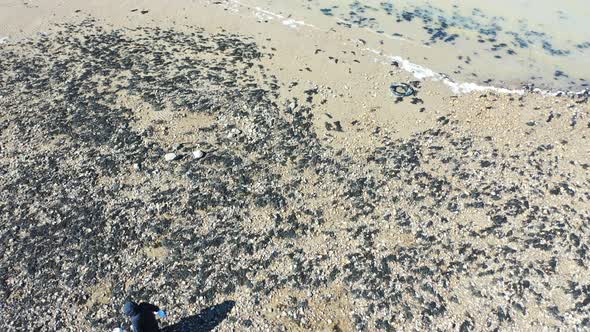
(322, 201)
(502, 43)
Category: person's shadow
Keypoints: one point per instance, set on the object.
(204, 321)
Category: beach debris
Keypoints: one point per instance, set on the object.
(401, 89)
(170, 156)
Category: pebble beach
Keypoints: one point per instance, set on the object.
(250, 167)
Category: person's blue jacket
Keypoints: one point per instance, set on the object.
(142, 316)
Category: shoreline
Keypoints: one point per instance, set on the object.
(419, 72)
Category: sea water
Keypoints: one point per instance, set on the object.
(504, 43)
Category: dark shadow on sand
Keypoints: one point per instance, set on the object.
(204, 321)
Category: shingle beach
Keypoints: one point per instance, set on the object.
(273, 182)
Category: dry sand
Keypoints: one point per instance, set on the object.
(323, 203)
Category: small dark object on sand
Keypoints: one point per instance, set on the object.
(142, 316)
(401, 89)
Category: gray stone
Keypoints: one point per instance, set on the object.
(198, 154)
(170, 156)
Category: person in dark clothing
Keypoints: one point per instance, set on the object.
(143, 316)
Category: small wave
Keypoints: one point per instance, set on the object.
(422, 73)
(268, 15)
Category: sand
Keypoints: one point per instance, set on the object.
(322, 203)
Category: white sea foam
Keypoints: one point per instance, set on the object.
(259, 12)
(291, 23)
(264, 17)
(423, 73)
(268, 15)
(3, 40)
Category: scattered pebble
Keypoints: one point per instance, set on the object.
(170, 156)
(198, 154)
